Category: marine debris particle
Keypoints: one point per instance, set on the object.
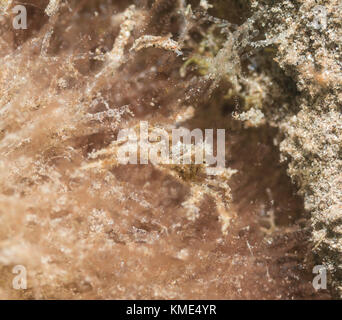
(165, 43)
(53, 7)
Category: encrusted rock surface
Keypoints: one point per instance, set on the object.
(308, 40)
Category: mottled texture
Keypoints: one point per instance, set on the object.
(308, 39)
(86, 227)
